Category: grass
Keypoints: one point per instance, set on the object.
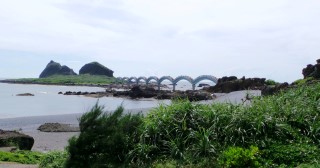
(24, 157)
(285, 128)
(55, 159)
(69, 80)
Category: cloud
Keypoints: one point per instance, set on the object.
(267, 38)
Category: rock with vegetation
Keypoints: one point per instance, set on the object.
(54, 68)
(13, 138)
(272, 89)
(95, 68)
(312, 70)
(58, 127)
(232, 83)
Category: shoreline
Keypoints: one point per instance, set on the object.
(8, 81)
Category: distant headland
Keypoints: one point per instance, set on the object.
(93, 68)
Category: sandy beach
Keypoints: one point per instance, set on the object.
(46, 142)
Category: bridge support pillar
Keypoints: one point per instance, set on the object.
(158, 86)
(174, 87)
(193, 86)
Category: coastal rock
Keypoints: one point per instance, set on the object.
(13, 138)
(232, 83)
(312, 70)
(203, 85)
(58, 127)
(143, 91)
(138, 92)
(25, 94)
(54, 68)
(270, 90)
(193, 95)
(95, 68)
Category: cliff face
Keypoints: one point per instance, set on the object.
(54, 68)
(95, 68)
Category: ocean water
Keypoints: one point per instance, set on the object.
(47, 101)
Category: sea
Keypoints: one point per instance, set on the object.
(46, 101)
(27, 113)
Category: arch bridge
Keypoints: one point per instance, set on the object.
(172, 80)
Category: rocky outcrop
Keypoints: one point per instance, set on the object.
(13, 138)
(270, 90)
(312, 70)
(95, 68)
(54, 68)
(137, 92)
(232, 83)
(192, 95)
(58, 127)
(25, 94)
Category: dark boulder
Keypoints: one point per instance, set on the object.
(273, 89)
(138, 92)
(232, 83)
(54, 68)
(203, 85)
(25, 94)
(13, 138)
(58, 127)
(193, 95)
(227, 79)
(95, 68)
(312, 70)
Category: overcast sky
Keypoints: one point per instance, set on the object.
(274, 39)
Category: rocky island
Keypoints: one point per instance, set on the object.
(54, 68)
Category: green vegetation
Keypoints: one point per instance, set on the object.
(24, 157)
(271, 82)
(240, 157)
(301, 82)
(105, 139)
(281, 130)
(55, 159)
(69, 80)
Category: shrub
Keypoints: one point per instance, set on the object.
(271, 82)
(234, 157)
(104, 140)
(178, 130)
(292, 154)
(55, 159)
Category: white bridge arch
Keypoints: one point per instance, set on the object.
(172, 80)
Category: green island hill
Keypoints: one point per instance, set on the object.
(90, 74)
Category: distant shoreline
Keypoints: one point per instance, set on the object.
(9, 81)
(66, 80)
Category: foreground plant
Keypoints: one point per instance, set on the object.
(274, 131)
(104, 138)
(55, 159)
